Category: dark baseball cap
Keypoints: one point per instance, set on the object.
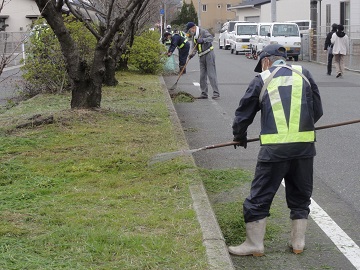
(269, 50)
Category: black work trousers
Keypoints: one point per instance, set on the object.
(183, 54)
(329, 63)
(298, 176)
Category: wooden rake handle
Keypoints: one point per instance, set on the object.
(257, 139)
(187, 61)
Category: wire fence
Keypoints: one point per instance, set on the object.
(12, 47)
(313, 47)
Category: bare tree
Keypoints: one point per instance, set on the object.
(7, 55)
(125, 38)
(86, 78)
(2, 4)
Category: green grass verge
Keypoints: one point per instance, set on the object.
(79, 194)
(227, 190)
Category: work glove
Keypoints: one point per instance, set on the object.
(241, 142)
(169, 54)
(200, 41)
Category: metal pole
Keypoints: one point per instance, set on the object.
(165, 14)
(273, 10)
(161, 25)
(199, 10)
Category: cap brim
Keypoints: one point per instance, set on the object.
(258, 67)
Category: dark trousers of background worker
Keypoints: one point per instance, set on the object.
(298, 176)
(329, 63)
(183, 55)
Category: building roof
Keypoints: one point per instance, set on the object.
(250, 4)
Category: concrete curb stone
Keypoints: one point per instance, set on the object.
(213, 239)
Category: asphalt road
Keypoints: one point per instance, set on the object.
(337, 168)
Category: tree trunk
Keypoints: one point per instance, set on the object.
(87, 92)
(110, 66)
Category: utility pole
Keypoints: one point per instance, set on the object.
(273, 10)
(199, 10)
(161, 20)
(165, 14)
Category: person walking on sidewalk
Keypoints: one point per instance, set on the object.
(181, 43)
(202, 39)
(328, 47)
(290, 105)
(341, 44)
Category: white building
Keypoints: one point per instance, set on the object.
(17, 15)
(345, 12)
(261, 11)
(322, 13)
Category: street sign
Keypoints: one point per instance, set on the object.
(162, 12)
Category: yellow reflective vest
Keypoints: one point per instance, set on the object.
(286, 91)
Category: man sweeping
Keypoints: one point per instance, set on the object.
(177, 41)
(290, 105)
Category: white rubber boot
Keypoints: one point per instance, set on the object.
(254, 243)
(298, 229)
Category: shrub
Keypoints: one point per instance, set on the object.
(45, 69)
(147, 53)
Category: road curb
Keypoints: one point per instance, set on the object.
(213, 239)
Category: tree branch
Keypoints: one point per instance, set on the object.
(81, 18)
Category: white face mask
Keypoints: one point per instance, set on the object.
(263, 65)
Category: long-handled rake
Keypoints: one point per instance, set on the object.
(171, 155)
(182, 70)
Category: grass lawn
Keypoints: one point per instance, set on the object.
(79, 194)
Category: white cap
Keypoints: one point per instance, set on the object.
(169, 26)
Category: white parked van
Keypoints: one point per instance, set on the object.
(288, 35)
(283, 33)
(259, 41)
(225, 33)
(240, 38)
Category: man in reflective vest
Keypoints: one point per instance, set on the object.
(290, 105)
(183, 46)
(202, 41)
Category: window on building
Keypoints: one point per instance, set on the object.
(228, 6)
(204, 8)
(345, 13)
(328, 18)
(3, 23)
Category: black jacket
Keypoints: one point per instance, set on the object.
(249, 105)
(176, 41)
(328, 39)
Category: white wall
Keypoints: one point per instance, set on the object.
(287, 10)
(17, 11)
(355, 12)
(242, 13)
(335, 11)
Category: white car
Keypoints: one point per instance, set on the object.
(225, 32)
(283, 33)
(240, 38)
